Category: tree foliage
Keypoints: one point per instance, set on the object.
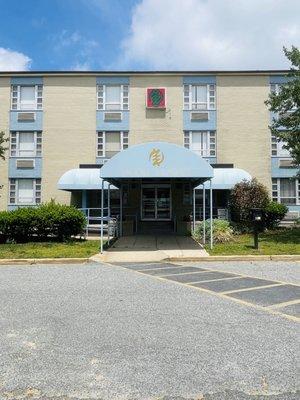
(245, 196)
(3, 148)
(286, 106)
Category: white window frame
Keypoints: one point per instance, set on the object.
(275, 87)
(16, 97)
(276, 191)
(14, 192)
(277, 148)
(211, 151)
(124, 97)
(210, 97)
(15, 144)
(101, 140)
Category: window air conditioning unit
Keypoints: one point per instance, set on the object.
(286, 164)
(112, 116)
(25, 164)
(199, 116)
(26, 116)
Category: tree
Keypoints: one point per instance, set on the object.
(286, 105)
(3, 149)
(245, 196)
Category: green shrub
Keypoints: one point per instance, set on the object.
(48, 220)
(222, 231)
(274, 213)
(4, 226)
(245, 196)
(21, 224)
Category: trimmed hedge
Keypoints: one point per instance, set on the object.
(47, 220)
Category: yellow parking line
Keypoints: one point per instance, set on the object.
(285, 304)
(250, 276)
(220, 295)
(252, 288)
(217, 280)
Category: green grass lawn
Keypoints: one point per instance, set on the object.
(74, 248)
(281, 241)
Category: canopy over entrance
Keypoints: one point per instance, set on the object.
(156, 160)
(227, 178)
(81, 179)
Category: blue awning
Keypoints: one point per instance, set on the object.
(156, 160)
(227, 178)
(81, 179)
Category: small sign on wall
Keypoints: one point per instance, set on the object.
(156, 98)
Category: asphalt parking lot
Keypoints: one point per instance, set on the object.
(159, 331)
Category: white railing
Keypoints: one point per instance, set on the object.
(94, 222)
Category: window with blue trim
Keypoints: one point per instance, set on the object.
(199, 97)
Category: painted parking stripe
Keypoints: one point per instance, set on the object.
(242, 302)
(249, 289)
(269, 295)
(293, 309)
(171, 271)
(142, 267)
(198, 277)
(287, 303)
(230, 284)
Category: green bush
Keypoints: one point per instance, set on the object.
(245, 196)
(274, 213)
(4, 226)
(48, 220)
(222, 231)
(20, 224)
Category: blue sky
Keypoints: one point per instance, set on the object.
(146, 34)
(60, 34)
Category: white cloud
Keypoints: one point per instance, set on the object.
(11, 60)
(211, 34)
(85, 66)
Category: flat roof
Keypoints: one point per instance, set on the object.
(131, 73)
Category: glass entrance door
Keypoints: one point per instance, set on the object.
(156, 203)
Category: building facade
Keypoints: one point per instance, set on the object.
(60, 121)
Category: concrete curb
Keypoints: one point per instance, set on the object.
(32, 261)
(101, 259)
(283, 257)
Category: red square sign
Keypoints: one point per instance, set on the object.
(156, 98)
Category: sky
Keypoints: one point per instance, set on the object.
(147, 34)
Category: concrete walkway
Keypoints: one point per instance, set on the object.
(147, 248)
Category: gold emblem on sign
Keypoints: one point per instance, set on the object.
(156, 157)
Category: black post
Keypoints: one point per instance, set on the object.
(255, 235)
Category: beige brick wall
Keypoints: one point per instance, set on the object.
(156, 125)
(4, 126)
(69, 130)
(243, 137)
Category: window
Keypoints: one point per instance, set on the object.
(187, 194)
(113, 97)
(199, 97)
(275, 88)
(286, 190)
(25, 191)
(110, 143)
(29, 97)
(201, 142)
(278, 149)
(25, 144)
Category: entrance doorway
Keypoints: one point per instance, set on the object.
(156, 203)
